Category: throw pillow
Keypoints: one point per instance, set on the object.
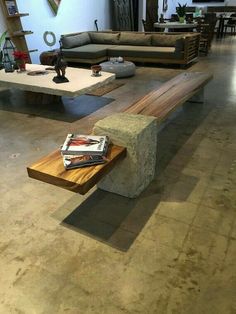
(104, 38)
(165, 40)
(75, 40)
(135, 39)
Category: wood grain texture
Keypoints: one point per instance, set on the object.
(161, 102)
(100, 91)
(50, 169)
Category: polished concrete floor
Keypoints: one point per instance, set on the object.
(170, 251)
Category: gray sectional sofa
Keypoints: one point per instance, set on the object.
(95, 47)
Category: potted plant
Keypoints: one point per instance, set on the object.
(20, 58)
(2, 38)
(181, 11)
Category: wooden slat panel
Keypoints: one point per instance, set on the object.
(50, 169)
(162, 102)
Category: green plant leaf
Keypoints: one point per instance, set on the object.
(181, 9)
(2, 38)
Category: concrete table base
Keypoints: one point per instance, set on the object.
(33, 98)
(138, 134)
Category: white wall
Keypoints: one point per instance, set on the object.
(172, 4)
(142, 14)
(72, 16)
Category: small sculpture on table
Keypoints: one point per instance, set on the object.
(60, 68)
(162, 19)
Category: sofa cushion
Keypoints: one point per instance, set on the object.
(86, 51)
(144, 52)
(75, 40)
(127, 38)
(164, 40)
(104, 38)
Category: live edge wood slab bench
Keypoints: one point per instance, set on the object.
(155, 106)
(162, 102)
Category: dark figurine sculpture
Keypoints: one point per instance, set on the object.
(60, 67)
(96, 24)
(162, 19)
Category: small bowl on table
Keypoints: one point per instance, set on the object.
(96, 70)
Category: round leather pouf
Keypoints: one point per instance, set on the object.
(121, 69)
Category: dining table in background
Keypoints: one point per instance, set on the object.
(176, 26)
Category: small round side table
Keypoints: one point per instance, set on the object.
(46, 57)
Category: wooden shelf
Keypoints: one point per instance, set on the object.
(14, 26)
(17, 15)
(32, 50)
(20, 34)
(50, 169)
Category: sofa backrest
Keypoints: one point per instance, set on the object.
(135, 39)
(166, 40)
(124, 38)
(75, 40)
(169, 40)
(104, 38)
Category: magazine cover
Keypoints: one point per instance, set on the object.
(76, 144)
(78, 161)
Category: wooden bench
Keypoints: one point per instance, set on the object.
(50, 169)
(162, 102)
(158, 103)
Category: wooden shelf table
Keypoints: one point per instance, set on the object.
(50, 169)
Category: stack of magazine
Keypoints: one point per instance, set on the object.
(84, 150)
(11, 7)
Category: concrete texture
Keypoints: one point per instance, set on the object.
(138, 134)
(170, 251)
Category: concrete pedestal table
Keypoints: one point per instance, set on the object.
(120, 69)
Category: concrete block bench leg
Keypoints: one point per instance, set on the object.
(138, 134)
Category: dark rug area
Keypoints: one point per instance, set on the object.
(68, 110)
(100, 91)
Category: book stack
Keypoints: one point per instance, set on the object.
(84, 150)
(11, 7)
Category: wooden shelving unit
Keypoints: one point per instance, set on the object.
(20, 33)
(14, 27)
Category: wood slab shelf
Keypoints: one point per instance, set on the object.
(17, 15)
(12, 18)
(20, 34)
(50, 169)
(32, 50)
